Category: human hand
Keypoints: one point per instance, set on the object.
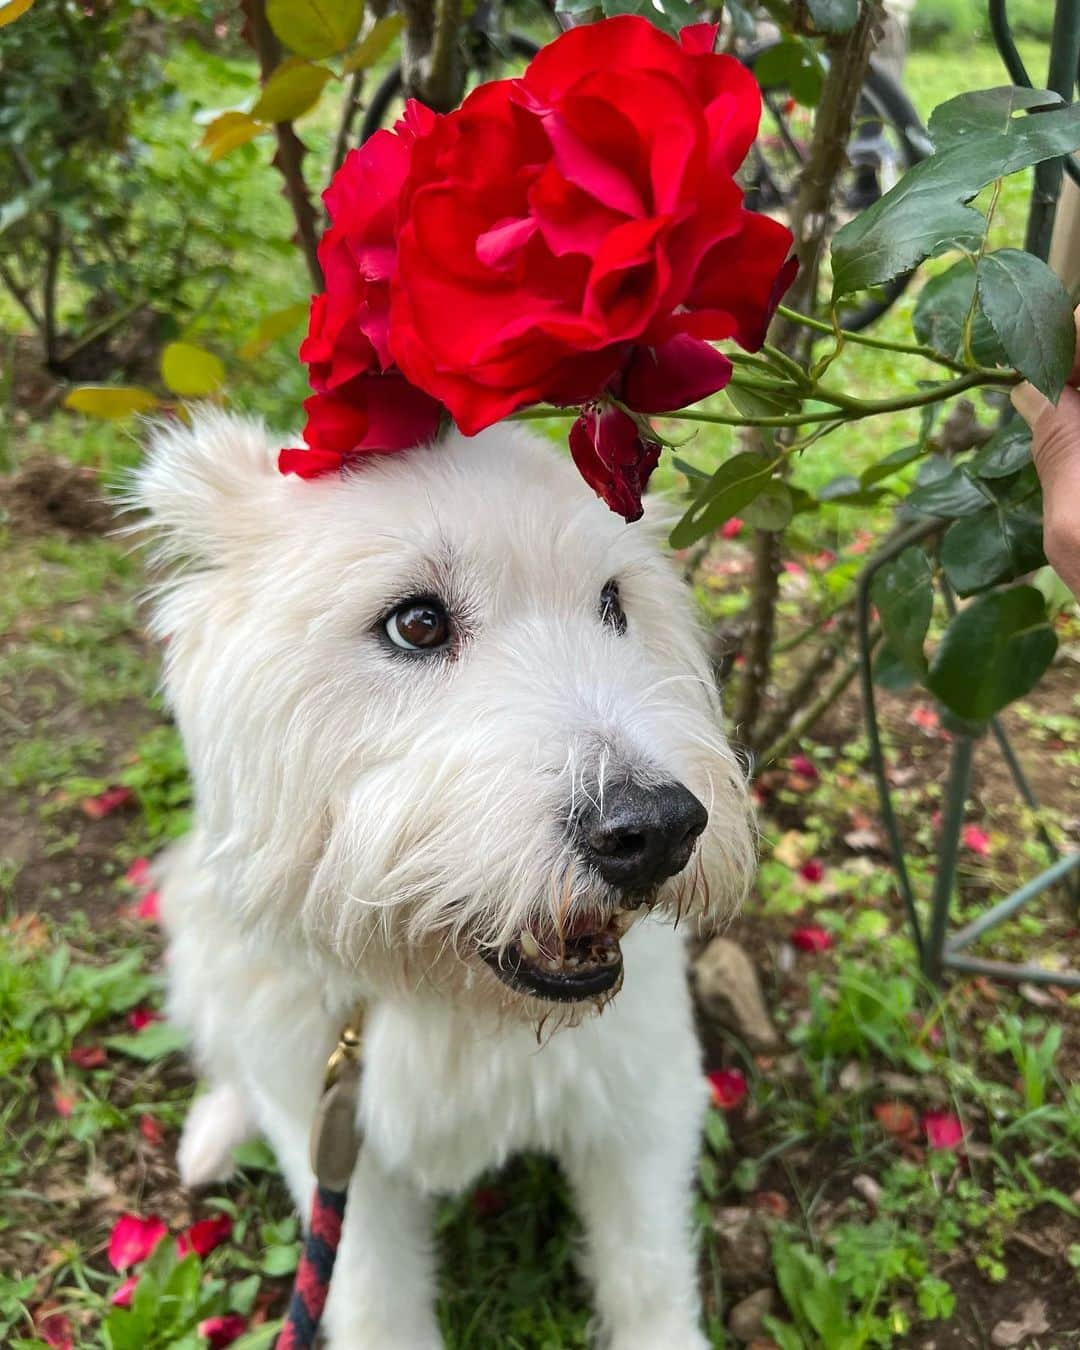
(1055, 448)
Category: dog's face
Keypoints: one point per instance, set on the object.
(448, 717)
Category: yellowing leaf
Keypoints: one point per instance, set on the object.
(111, 401)
(374, 43)
(273, 326)
(190, 371)
(227, 131)
(291, 90)
(315, 28)
(10, 10)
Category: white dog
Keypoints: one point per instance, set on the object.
(452, 731)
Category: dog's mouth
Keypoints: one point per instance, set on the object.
(584, 962)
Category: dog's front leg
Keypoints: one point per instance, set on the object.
(383, 1289)
(634, 1191)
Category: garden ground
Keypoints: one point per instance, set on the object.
(902, 1167)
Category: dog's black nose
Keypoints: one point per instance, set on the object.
(636, 837)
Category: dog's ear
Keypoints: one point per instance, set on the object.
(211, 487)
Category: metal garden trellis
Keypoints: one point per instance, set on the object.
(938, 949)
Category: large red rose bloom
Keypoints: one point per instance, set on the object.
(575, 236)
(557, 225)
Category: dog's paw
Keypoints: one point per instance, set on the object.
(215, 1124)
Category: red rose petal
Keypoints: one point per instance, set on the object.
(63, 1100)
(121, 1297)
(151, 1130)
(977, 840)
(813, 870)
(88, 1056)
(138, 874)
(803, 766)
(142, 1017)
(105, 803)
(133, 1239)
(811, 939)
(728, 1087)
(56, 1331)
(897, 1119)
(611, 456)
(943, 1130)
(223, 1330)
(148, 907)
(202, 1237)
(731, 529)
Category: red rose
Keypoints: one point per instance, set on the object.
(579, 230)
(361, 402)
(613, 457)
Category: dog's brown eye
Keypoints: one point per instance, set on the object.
(611, 610)
(419, 626)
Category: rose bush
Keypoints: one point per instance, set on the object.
(575, 236)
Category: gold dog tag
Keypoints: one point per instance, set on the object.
(335, 1133)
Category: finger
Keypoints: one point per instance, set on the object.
(1055, 448)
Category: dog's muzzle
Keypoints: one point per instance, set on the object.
(634, 840)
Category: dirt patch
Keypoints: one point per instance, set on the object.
(48, 494)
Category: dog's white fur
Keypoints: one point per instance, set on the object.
(367, 823)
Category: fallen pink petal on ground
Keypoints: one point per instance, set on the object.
(133, 1238)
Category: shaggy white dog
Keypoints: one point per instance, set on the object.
(452, 731)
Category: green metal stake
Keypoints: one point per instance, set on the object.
(956, 795)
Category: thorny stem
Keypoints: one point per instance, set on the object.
(845, 409)
(968, 328)
(290, 148)
(863, 340)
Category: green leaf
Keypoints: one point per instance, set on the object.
(271, 327)
(376, 41)
(922, 215)
(758, 403)
(994, 651)
(994, 545)
(941, 311)
(903, 591)
(954, 494)
(885, 468)
(717, 1134)
(792, 65)
(890, 672)
(153, 1042)
(734, 485)
(281, 1260)
(1030, 311)
(315, 28)
(848, 491)
(833, 16)
(1006, 452)
(190, 371)
(259, 1339)
(243, 1293)
(670, 16)
(293, 88)
(772, 508)
(984, 110)
(692, 471)
(112, 402)
(742, 20)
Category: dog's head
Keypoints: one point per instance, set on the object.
(448, 718)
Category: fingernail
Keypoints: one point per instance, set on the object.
(1029, 403)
